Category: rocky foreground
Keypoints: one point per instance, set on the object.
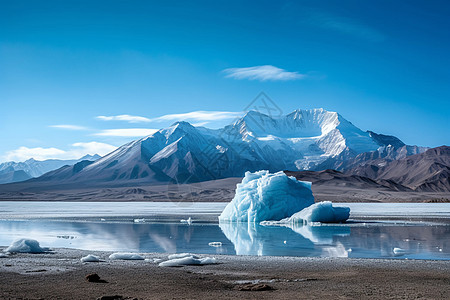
(61, 275)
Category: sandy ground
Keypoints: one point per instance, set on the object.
(221, 190)
(61, 275)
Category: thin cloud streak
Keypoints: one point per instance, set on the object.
(127, 118)
(196, 116)
(200, 116)
(262, 73)
(200, 124)
(69, 127)
(126, 132)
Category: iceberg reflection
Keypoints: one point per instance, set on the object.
(255, 239)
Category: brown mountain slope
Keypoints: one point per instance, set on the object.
(428, 171)
(333, 178)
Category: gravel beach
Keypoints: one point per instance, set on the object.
(60, 274)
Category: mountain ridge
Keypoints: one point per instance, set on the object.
(428, 171)
(183, 153)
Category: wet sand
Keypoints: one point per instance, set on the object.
(61, 275)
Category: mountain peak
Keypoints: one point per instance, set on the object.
(90, 157)
(297, 124)
(182, 126)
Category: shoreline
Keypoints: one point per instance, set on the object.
(61, 274)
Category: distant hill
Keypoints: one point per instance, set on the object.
(20, 171)
(10, 175)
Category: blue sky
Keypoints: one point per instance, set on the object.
(383, 65)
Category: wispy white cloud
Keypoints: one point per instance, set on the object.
(126, 132)
(75, 151)
(200, 124)
(200, 116)
(262, 73)
(38, 153)
(69, 127)
(127, 118)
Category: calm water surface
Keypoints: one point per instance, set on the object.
(115, 227)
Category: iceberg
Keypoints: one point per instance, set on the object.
(264, 196)
(25, 246)
(322, 212)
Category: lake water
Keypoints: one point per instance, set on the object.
(400, 231)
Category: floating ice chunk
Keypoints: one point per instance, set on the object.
(264, 196)
(323, 212)
(181, 255)
(90, 258)
(215, 244)
(336, 251)
(154, 260)
(188, 221)
(139, 220)
(399, 251)
(126, 256)
(3, 255)
(25, 246)
(188, 260)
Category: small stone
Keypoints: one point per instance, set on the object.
(115, 297)
(255, 287)
(93, 277)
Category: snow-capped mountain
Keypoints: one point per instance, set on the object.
(301, 140)
(18, 171)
